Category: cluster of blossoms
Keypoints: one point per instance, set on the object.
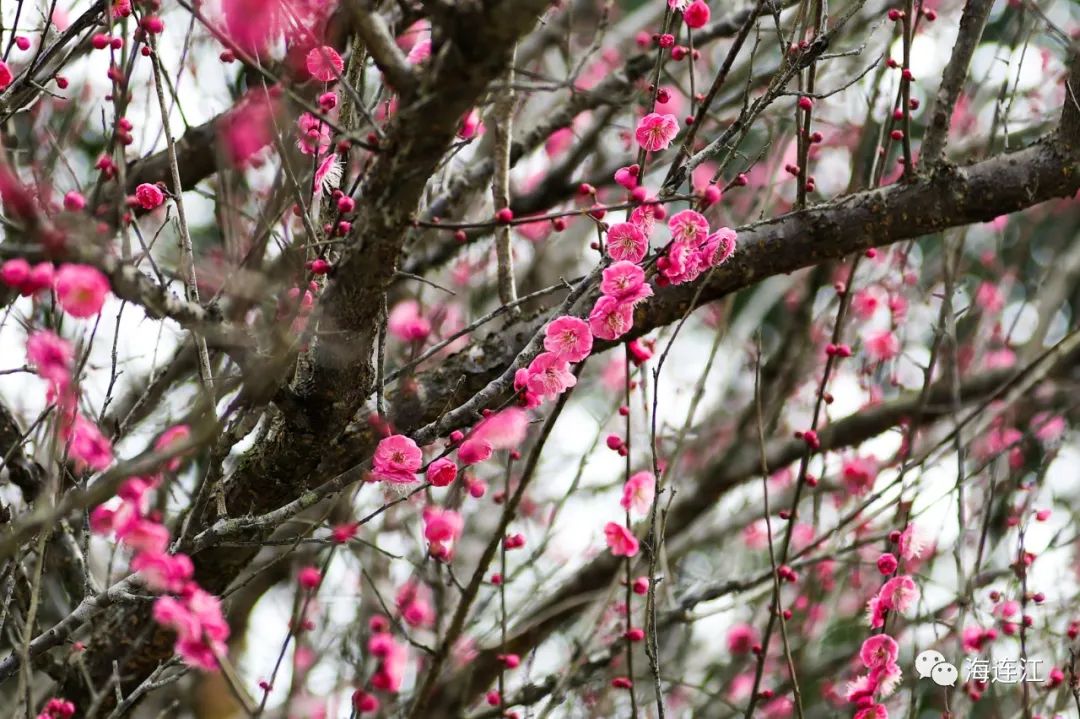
(52, 358)
(693, 248)
(878, 655)
(80, 289)
(57, 708)
(393, 658)
(567, 340)
(637, 498)
(879, 652)
(186, 608)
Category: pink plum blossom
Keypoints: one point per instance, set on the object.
(324, 63)
(51, 356)
(87, 446)
(441, 472)
(620, 540)
(313, 135)
(396, 460)
(627, 242)
(550, 376)
(688, 226)
(568, 338)
(407, 323)
(610, 319)
(638, 493)
(163, 572)
(81, 290)
(149, 197)
(655, 131)
(625, 281)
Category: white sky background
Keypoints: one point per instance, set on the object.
(578, 533)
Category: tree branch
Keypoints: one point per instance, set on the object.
(972, 23)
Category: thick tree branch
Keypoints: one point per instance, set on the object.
(972, 23)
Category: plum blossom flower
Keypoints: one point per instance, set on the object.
(81, 290)
(626, 241)
(865, 302)
(610, 319)
(164, 572)
(529, 399)
(620, 540)
(741, 638)
(413, 600)
(879, 651)
(688, 226)
(696, 14)
(625, 281)
(407, 323)
(989, 298)
(250, 24)
(913, 542)
(51, 356)
(898, 594)
(655, 131)
(719, 246)
(644, 218)
(6, 75)
(441, 472)
(974, 638)
(248, 127)
(309, 577)
(314, 135)
(87, 446)
(14, 272)
(638, 493)
(471, 125)
(569, 338)
(627, 177)
(442, 527)
(144, 535)
(682, 263)
(1048, 427)
(172, 435)
(324, 63)
(503, 430)
(328, 173)
(201, 629)
(640, 351)
(397, 459)
(474, 451)
(549, 376)
(393, 660)
(149, 197)
(18, 274)
(882, 346)
(859, 474)
(57, 708)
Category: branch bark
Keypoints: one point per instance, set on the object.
(972, 23)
